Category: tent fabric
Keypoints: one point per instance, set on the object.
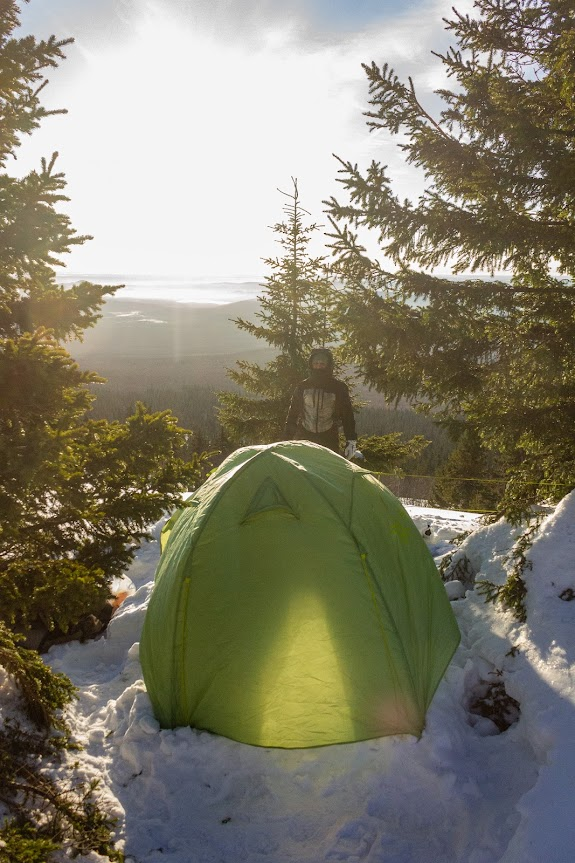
(295, 605)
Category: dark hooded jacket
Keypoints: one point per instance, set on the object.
(320, 405)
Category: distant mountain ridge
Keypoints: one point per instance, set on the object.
(138, 327)
(165, 342)
(161, 288)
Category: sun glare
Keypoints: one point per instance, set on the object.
(177, 139)
(193, 136)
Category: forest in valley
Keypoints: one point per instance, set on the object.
(179, 356)
(196, 407)
(195, 404)
(184, 358)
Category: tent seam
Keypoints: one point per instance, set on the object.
(181, 625)
(370, 582)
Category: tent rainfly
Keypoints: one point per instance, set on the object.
(295, 604)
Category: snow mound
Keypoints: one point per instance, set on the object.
(471, 790)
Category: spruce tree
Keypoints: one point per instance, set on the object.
(497, 163)
(471, 478)
(295, 315)
(76, 495)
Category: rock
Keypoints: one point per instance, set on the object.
(34, 638)
(455, 590)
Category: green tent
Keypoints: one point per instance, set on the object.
(295, 605)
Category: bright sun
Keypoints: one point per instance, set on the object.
(177, 139)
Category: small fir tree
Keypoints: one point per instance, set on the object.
(296, 315)
(499, 170)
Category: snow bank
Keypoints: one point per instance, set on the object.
(464, 793)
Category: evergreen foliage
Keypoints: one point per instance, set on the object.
(383, 452)
(43, 815)
(491, 700)
(296, 315)
(195, 406)
(43, 694)
(298, 309)
(468, 479)
(513, 592)
(77, 494)
(499, 196)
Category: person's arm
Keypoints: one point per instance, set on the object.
(293, 414)
(346, 413)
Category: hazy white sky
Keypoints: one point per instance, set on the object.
(185, 116)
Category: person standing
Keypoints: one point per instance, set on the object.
(320, 404)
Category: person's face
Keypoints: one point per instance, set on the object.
(319, 363)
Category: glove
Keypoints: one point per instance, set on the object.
(350, 449)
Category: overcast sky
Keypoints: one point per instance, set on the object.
(186, 116)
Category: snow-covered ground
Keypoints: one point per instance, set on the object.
(465, 792)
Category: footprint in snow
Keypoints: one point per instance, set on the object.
(354, 842)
